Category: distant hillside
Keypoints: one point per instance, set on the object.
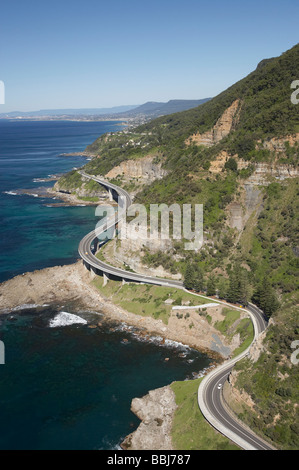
(68, 112)
(155, 109)
(237, 121)
(265, 107)
(150, 109)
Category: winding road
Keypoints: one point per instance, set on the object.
(210, 391)
(87, 253)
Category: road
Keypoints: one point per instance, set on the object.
(210, 398)
(86, 252)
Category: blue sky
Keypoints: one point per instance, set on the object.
(71, 54)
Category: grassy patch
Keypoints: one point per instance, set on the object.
(145, 300)
(244, 328)
(230, 317)
(190, 430)
(89, 198)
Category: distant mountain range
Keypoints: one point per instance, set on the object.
(68, 112)
(149, 109)
(155, 109)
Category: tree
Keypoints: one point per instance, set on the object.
(193, 279)
(239, 289)
(223, 287)
(211, 287)
(198, 280)
(189, 276)
(231, 164)
(244, 294)
(233, 290)
(266, 298)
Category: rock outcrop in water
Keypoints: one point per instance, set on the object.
(156, 411)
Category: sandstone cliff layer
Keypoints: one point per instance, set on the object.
(222, 128)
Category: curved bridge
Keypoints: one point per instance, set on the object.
(210, 396)
(91, 261)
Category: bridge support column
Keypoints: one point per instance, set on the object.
(106, 279)
(92, 273)
(96, 245)
(123, 282)
(110, 195)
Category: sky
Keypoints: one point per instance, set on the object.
(93, 53)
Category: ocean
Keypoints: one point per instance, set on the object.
(65, 385)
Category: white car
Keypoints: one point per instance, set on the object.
(219, 386)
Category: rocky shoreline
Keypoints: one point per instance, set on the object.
(63, 198)
(72, 284)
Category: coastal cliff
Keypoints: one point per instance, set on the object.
(145, 170)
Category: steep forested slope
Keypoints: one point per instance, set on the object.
(236, 154)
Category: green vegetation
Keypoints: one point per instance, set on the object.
(232, 325)
(272, 382)
(257, 263)
(145, 300)
(89, 198)
(74, 183)
(230, 317)
(190, 430)
(265, 111)
(71, 181)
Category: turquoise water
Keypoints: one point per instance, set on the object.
(32, 235)
(68, 387)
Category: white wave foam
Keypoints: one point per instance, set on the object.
(177, 345)
(65, 319)
(28, 306)
(11, 193)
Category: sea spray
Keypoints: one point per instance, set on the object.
(66, 319)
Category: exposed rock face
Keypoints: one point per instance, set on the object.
(263, 169)
(234, 397)
(156, 411)
(258, 346)
(278, 144)
(145, 169)
(236, 216)
(222, 128)
(274, 170)
(193, 328)
(217, 165)
(241, 210)
(130, 251)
